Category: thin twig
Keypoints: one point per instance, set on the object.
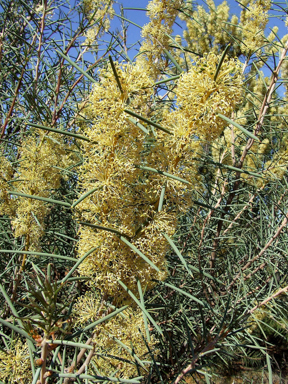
(40, 44)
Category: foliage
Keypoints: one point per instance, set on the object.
(142, 202)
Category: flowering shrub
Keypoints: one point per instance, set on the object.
(142, 202)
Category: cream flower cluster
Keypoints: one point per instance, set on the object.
(162, 14)
(6, 175)
(99, 13)
(38, 173)
(15, 364)
(127, 328)
(201, 97)
(208, 31)
(254, 19)
(125, 198)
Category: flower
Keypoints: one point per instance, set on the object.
(15, 364)
(156, 33)
(40, 157)
(201, 96)
(254, 19)
(117, 340)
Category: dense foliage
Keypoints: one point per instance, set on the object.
(143, 201)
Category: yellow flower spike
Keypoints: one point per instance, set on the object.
(200, 98)
(254, 20)
(40, 156)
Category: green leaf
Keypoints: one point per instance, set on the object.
(77, 278)
(205, 274)
(31, 346)
(105, 318)
(81, 198)
(161, 200)
(269, 369)
(98, 378)
(168, 79)
(76, 66)
(209, 207)
(9, 302)
(128, 350)
(184, 293)
(238, 170)
(115, 74)
(66, 133)
(238, 126)
(135, 122)
(51, 201)
(139, 253)
(162, 173)
(70, 344)
(134, 9)
(37, 254)
(148, 121)
(178, 253)
(144, 316)
(260, 76)
(129, 21)
(141, 307)
(221, 61)
(112, 230)
(242, 171)
(77, 265)
(16, 329)
(36, 375)
(173, 60)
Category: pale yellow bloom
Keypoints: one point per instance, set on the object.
(15, 364)
(200, 97)
(162, 14)
(6, 174)
(38, 175)
(210, 31)
(126, 197)
(254, 19)
(99, 13)
(126, 328)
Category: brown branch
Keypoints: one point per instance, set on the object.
(84, 365)
(78, 359)
(209, 347)
(260, 267)
(240, 213)
(220, 223)
(57, 88)
(44, 354)
(86, 362)
(251, 292)
(72, 87)
(16, 91)
(265, 105)
(264, 302)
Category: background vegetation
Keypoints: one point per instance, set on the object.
(143, 200)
